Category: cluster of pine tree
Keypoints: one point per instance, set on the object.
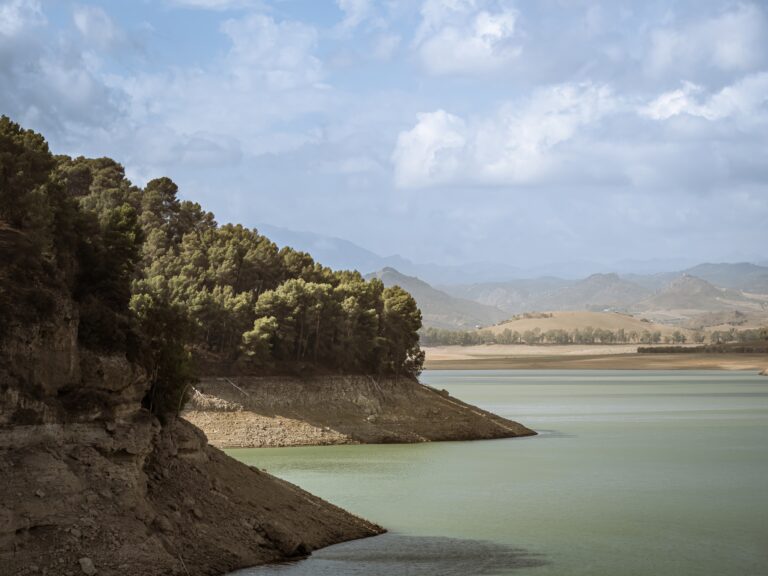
(159, 279)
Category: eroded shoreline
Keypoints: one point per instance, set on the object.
(248, 412)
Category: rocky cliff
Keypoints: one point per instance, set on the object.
(92, 483)
(275, 411)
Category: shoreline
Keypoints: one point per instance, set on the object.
(472, 358)
(260, 412)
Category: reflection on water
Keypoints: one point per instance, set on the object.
(400, 555)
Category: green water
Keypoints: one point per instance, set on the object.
(633, 473)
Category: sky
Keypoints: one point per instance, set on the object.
(446, 131)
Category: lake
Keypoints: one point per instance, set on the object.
(633, 473)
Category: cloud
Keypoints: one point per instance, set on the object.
(515, 145)
(215, 4)
(430, 152)
(733, 41)
(585, 136)
(278, 54)
(619, 119)
(355, 12)
(249, 100)
(668, 104)
(746, 98)
(385, 46)
(467, 36)
(96, 26)
(54, 85)
(19, 15)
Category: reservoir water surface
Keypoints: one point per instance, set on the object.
(633, 473)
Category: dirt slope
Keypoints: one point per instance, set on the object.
(251, 411)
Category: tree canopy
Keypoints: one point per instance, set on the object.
(158, 278)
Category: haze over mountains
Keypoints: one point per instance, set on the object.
(339, 253)
(440, 309)
(463, 297)
(672, 298)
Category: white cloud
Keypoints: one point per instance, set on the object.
(517, 144)
(429, 153)
(514, 145)
(467, 36)
(215, 4)
(96, 26)
(734, 41)
(668, 104)
(248, 102)
(355, 11)
(280, 54)
(16, 16)
(743, 98)
(54, 86)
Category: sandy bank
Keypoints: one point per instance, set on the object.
(256, 412)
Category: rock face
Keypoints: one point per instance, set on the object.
(273, 411)
(94, 484)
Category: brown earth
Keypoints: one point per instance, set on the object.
(136, 498)
(93, 484)
(282, 411)
(579, 357)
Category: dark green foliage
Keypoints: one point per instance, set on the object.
(24, 296)
(25, 167)
(401, 325)
(156, 278)
(164, 330)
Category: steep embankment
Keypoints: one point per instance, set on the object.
(251, 411)
(92, 483)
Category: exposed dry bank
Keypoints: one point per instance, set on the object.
(91, 482)
(275, 411)
(619, 357)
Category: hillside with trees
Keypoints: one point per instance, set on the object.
(158, 279)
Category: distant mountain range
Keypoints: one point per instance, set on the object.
(441, 310)
(681, 298)
(485, 293)
(345, 255)
(596, 292)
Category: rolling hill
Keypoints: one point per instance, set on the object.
(513, 296)
(691, 293)
(441, 310)
(740, 276)
(572, 320)
(596, 292)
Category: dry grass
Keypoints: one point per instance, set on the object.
(579, 320)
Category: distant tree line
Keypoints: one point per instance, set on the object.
(740, 336)
(158, 279)
(587, 335)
